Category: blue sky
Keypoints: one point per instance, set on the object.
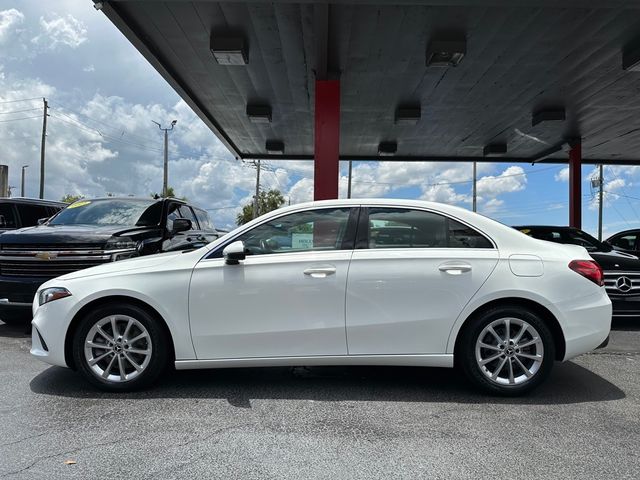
(101, 139)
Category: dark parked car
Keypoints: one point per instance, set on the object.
(627, 241)
(88, 233)
(25, 212)
(621, 270)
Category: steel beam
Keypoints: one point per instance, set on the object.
(327, 140)
(575, 183)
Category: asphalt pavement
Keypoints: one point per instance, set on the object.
(333, 423)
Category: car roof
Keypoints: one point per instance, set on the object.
(626, 232)
(32, 201)
(546, 227)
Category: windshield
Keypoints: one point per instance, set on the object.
(119, 212)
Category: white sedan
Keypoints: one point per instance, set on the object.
(343, 282)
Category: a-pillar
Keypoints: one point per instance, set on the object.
(327, 140)
(575, 183)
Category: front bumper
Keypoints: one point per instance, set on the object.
(50, 324)
(18, 293)
(625, 306)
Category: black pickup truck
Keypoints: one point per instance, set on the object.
(88, 233)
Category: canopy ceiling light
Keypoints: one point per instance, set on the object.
(548, 115)
(494, 149)
(259, 113)
(229, 50)
(407, 115)
(387, 149)
(275, 147)
(446, 53)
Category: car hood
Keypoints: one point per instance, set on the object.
(616, 261)
(138, 263)
(70, 234)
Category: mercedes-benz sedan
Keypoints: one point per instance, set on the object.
(344, 282)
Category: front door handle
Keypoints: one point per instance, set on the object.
(455, 268)
(320, 272)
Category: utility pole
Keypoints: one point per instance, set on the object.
(165, 177)
(256, 200)
(22, 184)
(42, 145)
(475, 209)
(600, 195)
(349, 184)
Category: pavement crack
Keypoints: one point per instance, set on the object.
(58, 454)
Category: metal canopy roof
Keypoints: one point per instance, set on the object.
(519, 59)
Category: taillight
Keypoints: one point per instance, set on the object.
(588, 269)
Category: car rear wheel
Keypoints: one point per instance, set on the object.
(120, 347)
(507, 351)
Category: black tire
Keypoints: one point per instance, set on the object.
(469, 351)
(156, 338)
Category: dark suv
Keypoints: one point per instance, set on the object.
(25, 212)
(88, 233)
(627, 241)
(621, 270)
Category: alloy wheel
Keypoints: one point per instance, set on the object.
(118, 348)
(509, 351)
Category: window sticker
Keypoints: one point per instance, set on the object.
(79, 204)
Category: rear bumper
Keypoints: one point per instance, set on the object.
(586, 323)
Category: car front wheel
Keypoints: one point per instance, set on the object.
(120, 347)
(507, 351)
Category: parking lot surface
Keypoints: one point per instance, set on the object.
(335, 423)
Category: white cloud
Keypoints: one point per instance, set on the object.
(89, 69)
(562, 175)
(513, 179)
(67, 30)
(9, 19)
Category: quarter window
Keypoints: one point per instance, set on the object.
(406, 228)
(314, 230)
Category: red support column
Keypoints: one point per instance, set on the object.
(575, 184)
(327, 140)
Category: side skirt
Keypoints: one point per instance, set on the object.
(444, 360)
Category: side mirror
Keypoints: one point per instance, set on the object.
(234, 252)
(42, 221)
(181, 225)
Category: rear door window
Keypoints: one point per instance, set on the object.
(30, 214)
(407, 228)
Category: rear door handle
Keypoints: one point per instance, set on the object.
(320, 272)
(455, 268)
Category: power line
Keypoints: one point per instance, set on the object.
(100, 122)
(19, 111)
(21, 100)
(23, 118)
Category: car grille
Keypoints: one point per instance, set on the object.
(49, 261)
(622, 284)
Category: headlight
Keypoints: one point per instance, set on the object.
(53, 293)
(120, 244)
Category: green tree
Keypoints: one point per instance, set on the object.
(267, 201)
(68, 198)
(170, 194)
